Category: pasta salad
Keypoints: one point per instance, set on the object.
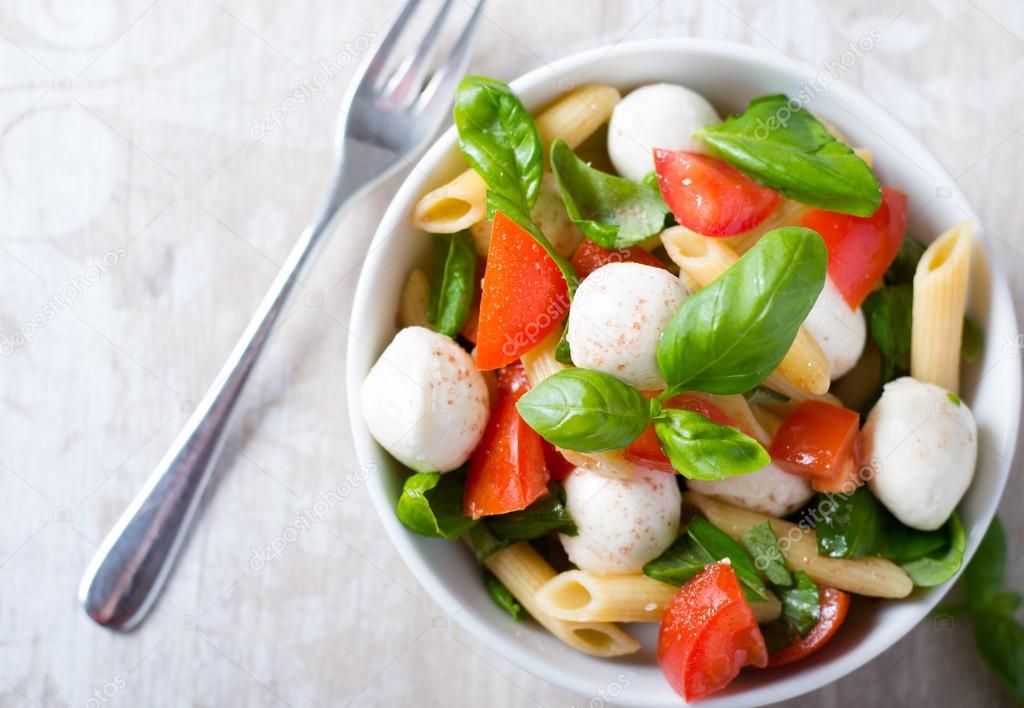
(669, 368)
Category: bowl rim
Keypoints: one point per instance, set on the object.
(884, 635)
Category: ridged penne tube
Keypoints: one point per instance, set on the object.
(462, 202)
(705, 259)
(524, 572)
(874, 577)
(540, 363)
(940, 294)
(582, 596)
(777, 382)
(415, 295)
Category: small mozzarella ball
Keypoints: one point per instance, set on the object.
(622, 523)
(617, 317)
(839, 330)
(425, 402)
(655, 116)
(770, 490)
(921, 446)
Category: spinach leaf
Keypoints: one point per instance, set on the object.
(984, 575)
(904, 265)
(801, 606)
(452, 289)
(701, 449)
(483, 542)
(729, 336)
(888, 312)
(546, 515)
(1000, 641)
(503, 598)
(585, 410)
(700, 544)
(763, 545)
(431, 504)
(764, 396)
(939, 566)
(970, 345)
(789, 150)
(609, 210)
(498, 137)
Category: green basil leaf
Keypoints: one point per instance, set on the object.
(585, 410)
(763, 545)
(904, 265)
(431, 504)
(718, 544)
(801, 606)
(1000, 640)
(792, 152)
(729, 336)
(679, 562)
(701, 449)
(850, 526)
(1005, 601)
(498, 137)
(563, 355)
(888, 312)
(984, 575)
(545, 516)
(778, 634)
(609, 210)
(901, 543)
(970, 345)
(483, 542)
(452, 289)
(939, 566)
(764, 396)
(504, 598)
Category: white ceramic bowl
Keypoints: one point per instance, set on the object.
(728, 75)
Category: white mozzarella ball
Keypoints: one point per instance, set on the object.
(622, 523)
(617, 317)
(771, 490)
(425, 402)
(921, 445)
(655, 116)
(839, 330)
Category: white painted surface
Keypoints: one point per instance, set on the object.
(156, 160)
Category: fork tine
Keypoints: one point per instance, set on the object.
(408, 77)
(375, 69)
(451, 71)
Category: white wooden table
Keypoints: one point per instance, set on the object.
(156, 160)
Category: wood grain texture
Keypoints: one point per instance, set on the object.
(156, 160)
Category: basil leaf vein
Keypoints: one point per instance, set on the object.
(701, 449)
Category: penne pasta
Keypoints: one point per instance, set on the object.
(415, 295)
(777, 382)
(874, 577)
(770, 420)
(582, 596)
(524, 572)
(462, 202)
(703, 259)
(737, 408)
(940, 295)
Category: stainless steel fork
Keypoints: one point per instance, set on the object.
(385, 120)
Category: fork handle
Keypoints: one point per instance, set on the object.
(130, 567)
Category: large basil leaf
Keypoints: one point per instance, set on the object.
(546, 515)
(585, 410)
(499, 139)
(801, 605)
(609, 210)
(701, 449)
(431, 504)
(939, 566)
(729, 336)
(790, 151)
(984, 575)
(504, 598)
(703, 543)
(889, 313)
(763, 545)
(452, 289)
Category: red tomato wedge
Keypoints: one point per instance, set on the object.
(816, 440)
(834, 605)
(708, 633)
(524, 296)
(709, 196)
(861, 248)
(849, 477)
(590, 256)
(646, 450)
(507, 471)
(512, 378)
